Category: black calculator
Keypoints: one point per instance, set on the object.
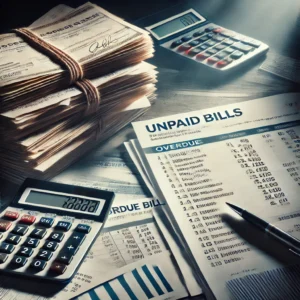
(49, 228)
(190, 35)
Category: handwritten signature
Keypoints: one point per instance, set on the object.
(96, 46)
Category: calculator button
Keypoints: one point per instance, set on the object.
(12, 215)
(210, 28)
(83, 228)
(203, 47)
(49, 245)
(6, 248)
(212, 51)
(25, 251)
(217, 30)
(194, 51)
(229, 50)
(202, 56)
(38, 233)
(203, 39)
(3, 258)
(228, 42)
(227, 33)
(65, 226)
(194, 43)
(220, 47)
(28, 219)
(221, 55)
(198, 33)
(235, 38)
(58, 268)
(65, 257)
(73, 243)
(56, 236)
(38, 264)
(218, 38)
(46, 222)
(242, 47)
(210, 43)
(176, 43)
(18, 261)
(224, 62)
(236, 54)
(252, 43)
(212, 60)
(210, 35)
(31, 242)
(184, 47)
(13, 239)
(4, 225)
(44, 254)
(187, 38)
(20, 229)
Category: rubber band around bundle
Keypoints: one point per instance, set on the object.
(75, 70)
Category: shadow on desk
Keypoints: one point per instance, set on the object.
(29, 286)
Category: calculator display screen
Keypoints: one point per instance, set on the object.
(64, 201)
(175, 25)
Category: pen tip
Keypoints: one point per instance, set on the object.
(235, 208)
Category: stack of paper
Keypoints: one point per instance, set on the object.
(45, 127)
(98, 40)
(246, 154)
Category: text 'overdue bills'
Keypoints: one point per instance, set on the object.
(245, 153)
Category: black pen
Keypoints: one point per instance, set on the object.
(284, 238)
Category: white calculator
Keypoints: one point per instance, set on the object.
(190, 35)
(49, 228)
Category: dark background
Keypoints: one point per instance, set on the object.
(18, 13)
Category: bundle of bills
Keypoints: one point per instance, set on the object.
(98, 40)
(41, 131)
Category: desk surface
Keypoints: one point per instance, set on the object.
(274, 22)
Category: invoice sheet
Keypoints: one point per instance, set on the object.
(247, 154)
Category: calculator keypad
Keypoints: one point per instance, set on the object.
(216, 47)
(42, 245)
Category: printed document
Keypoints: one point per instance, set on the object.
(247, 154)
